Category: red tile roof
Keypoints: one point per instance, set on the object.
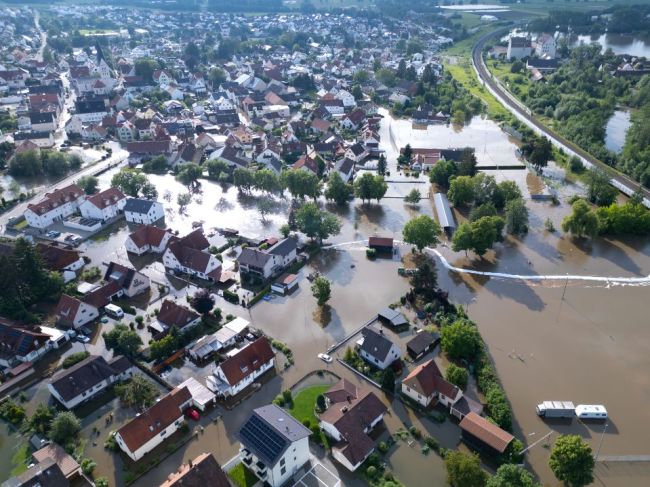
(172, 314)
(247, 360)
(106, 198)
(158, 417)
(148, 235)
(488, 433)
(427, 380)
(56, 198)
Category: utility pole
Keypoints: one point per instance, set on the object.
(600, 443)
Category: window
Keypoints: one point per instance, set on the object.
(162, 433)
(283, 470)
(282, 462)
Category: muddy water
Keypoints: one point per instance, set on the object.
(616, 129)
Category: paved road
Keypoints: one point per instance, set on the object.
(619, 181)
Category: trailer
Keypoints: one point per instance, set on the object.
(556, 409)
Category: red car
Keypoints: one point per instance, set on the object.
(192, 414)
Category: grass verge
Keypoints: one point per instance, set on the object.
(242, 477)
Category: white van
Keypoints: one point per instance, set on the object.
(114, 311)
(591, 411)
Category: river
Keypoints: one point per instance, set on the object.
(619, 43)
(616, 130)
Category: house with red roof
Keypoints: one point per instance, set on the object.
(147, 238)
(55, 206)
(74, 313)
(104, 205)
(426, 384)
(240, 370)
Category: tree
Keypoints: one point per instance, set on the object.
(315, 223)
(285, 230)
(26, 164)
(55, 164)
(424, 280)
(163, 348)
(509, 475)
(486, 190)
(216, 77)
(599, 189)
(509, 191)
(572, 461)
(122, 340)
(243, 179)
(216, 168)
(202, 301)
(388, 380)
(301, 183)
(486, 209)
(264, 207)
(442, 172)
(461, 191)
(322, 290)
(132, 182)
(357, 92)
(582, 222)
(101, 482)
(541, 153)
(467, 163)
(516, 217)
(421, 231)
(413, 198)
(189, 174)
(485, 232)
(41, 419)
(89, 184)
(464, 470)
(337, 190)
(457, 375)
(145, 67)
(369, 187)
(157, 165)
(462, 239)
(361, 76)
(381, 165)
(64, 427)
(267, 181)
(461, 340)
(139, 392)
(183, 199)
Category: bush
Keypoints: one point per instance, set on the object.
(74, 358)
(65, 427)
(230, 296)
(111, 442)
(432, 443)
(12, 412)
(415, 432)
(288, 398)
(457, 376)
(382, 447)
(88, 466)
(371, 253)
(371, 471)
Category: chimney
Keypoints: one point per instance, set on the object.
(190, 464)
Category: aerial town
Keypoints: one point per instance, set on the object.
(296, 244)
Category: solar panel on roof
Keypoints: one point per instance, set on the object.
(262, 438)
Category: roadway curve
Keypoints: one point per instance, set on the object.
(618, 180)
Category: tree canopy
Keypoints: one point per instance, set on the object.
(582, 222)
(122, 340)
(316, 223)
(464, 470)
(421, 231)
(322, 290)
(572, 461)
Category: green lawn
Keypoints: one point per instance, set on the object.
(304, 402)
(242, 476)
(20, 460)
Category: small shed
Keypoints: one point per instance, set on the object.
(479, 433)
(464, 406)
(381, 244)
(444, 213)
(392, 318)
(421, 344)
(285, 284)
(202, 397)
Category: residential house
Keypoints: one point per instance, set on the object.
(84, 380)
(172, 315)
(357, 152)
(274, 445)
(126, 132)
(392, 318)
(545, 46)
(146, 212)
(43, 474)
(70, 469)
(266, 263)
(519, 48)
(42, 121)
(74, 313)
(148, 430)
(189, 256)
(376, 349)
(18, 343)
(131, 281)
(147, 238)
(345, 167)
(353, 120)
(349, 418)
(104, 205)
(41, 139)
(91, 109)
(426, 384)
(240, 370)
(421, 344)
(55, 206)
(61, 259)
(202, 471)
(223, 338)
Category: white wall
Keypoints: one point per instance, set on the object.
(152, 443)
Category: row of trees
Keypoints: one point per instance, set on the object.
(134, 183)
(631, 218)
(34, 163)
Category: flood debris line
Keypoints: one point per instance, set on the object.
(616, 281)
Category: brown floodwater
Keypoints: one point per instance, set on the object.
(583, 342)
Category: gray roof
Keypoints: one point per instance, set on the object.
(375, 343)
(44, 474)
(269, 431)
(253, 257)
(395, 317)
(86, 374)
(421, 341)
(283, 247)
(443, 210)
(136, 205)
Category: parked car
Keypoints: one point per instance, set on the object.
(192, 414)
(53, 234)
(325, 358)
(82, 338)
